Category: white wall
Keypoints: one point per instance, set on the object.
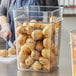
(67, 2)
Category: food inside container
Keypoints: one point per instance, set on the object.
(37, 41)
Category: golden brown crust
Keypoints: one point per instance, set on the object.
(46, 53)
(24, 66)
(26, 48)
(47, 31)
(36, 66)
(20, 30)
(46, 67)
(12, 51)
(47, 42)
(39, 45)
(21, 39)
(35, 54)
(36, 34)
(4, 53)
(43, 60)
(29, 61)
(30, 43)
(22, 56)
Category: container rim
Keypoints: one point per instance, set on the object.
(55, 7)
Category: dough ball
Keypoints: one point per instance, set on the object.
(4, 53)
(18, 23)
(24, 66)
(47, 42)
(34, 24)
(21, 30)
(39, 45)
(25, 48)
(26, 23)
(43, 60)
(30, 43)
(29, 30)
(46, 53)
(47, 31)
(29, 61)
(36, 34)
(35, 54)
(46, 67)
(21, 39)
(56, 50)
(36, 66)
(12, 51)
(22, 56)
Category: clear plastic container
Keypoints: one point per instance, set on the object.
(37, 31)
(73, 50)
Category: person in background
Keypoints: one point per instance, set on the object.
(6, 15)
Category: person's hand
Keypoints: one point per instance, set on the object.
(5, 31)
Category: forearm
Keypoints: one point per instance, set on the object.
(3, 19)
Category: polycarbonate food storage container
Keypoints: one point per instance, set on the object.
(37, 31)
(73, 51)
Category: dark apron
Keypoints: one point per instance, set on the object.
(17, 4)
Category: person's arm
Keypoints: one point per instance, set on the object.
(5, 30)
(3, 19)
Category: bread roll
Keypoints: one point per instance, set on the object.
(26, 48)
(46, 53)
(46, 67)
(21, 39)
(47, 31)
(4, 53)
(29, 61)
(39, 45)
(47, 42)
(35, 54)
(36, 66)
(30, 43)
(24, 66)
(22, 56)
(36, 34)
(12, 51)
(20, 30)
(43, 60)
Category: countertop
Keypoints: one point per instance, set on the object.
(64, 69)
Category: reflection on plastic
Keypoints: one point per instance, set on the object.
(27, 73)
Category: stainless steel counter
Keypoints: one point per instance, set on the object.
(64, 68)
